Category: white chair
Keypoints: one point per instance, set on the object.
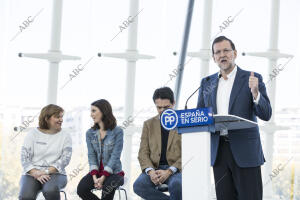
(119, 191)
(41, 197)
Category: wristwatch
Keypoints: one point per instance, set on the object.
(47, 171)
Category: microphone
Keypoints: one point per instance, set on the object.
(185, 107)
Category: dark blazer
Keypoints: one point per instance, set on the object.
(245, 144)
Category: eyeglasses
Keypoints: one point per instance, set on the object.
(225, 51)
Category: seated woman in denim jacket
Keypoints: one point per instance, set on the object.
(104, 143)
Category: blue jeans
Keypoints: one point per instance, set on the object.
(145, 188)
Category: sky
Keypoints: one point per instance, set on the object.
(88, 28)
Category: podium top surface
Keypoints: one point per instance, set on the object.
(228, 122)
(232, 122)
(230, 118)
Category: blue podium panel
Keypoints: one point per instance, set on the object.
(194, 117)
(171, 119)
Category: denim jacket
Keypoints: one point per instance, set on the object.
(113, 145)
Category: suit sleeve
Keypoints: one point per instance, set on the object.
(144, 151)
(263, 108)
(178, 163)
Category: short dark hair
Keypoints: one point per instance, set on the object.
(46, 113)
(164, 93)
(108, 118)
(220, 39)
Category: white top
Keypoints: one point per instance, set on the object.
(223, 95)
(41, 150)
(224, 91)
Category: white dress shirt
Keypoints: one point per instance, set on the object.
(223, 95)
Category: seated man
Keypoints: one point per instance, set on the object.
(159, 154)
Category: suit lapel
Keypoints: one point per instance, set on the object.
(157, 136)
(171, 136)
(157, 132)
(214, 85)
(238, 83)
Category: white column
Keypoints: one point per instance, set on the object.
(54, 55)
(4, 16)
(130, 90)
(204, 54)
(207, 11)
(54, 47)
(131, 56)
(272, 54)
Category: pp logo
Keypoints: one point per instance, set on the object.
(169, 119)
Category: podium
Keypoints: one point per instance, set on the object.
(196, 169)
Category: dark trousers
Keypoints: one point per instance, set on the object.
(111, 183)
(233, 182)
(30, 187)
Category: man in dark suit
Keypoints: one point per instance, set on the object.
(236, 155)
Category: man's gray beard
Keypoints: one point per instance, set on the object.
(228, 69)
